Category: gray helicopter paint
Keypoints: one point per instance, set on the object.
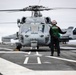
(33, 30)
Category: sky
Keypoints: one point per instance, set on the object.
(64, 17)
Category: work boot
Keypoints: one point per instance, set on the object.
(51, 55)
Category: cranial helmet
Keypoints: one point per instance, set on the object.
(54, 22)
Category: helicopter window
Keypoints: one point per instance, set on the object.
(37, 27)
(29, 20)
(47, 20)
(25, 28)
(34, 28)
(74, 31)
(39, 20)
(35, 20)
(23, 20)
(41, 28)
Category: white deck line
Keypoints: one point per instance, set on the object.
(27, 58)
(67, 47)
(13, 52)
(38, 58)
(64, 59)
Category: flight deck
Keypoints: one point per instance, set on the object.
(36, 60)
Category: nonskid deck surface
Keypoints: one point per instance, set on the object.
(29, 61)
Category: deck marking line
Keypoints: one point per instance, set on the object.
(38, 58)
(26, 59)
(64, 59)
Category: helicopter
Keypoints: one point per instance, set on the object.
(33, 30)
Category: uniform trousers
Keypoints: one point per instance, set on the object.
(55, 45)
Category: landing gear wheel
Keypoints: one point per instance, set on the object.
(18, 47)
(37, 47)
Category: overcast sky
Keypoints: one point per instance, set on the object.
(65, 18)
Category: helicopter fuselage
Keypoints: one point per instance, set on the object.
(34, 32)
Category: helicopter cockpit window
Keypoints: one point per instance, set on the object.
(39, 20)
(33, 28)
(25, 28)
(29, 20)
(33, 25)
(35, 20)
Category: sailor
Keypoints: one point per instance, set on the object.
(55, 36)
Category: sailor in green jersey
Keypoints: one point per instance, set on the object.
(55, 35)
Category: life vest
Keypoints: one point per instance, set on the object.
(55, 31)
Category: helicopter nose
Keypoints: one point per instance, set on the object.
(34, 36)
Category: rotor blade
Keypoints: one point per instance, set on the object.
(11, 10)
(35, 8)
(14, 10)
(61, 8)
(8, 22)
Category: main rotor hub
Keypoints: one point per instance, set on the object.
(36, 10)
